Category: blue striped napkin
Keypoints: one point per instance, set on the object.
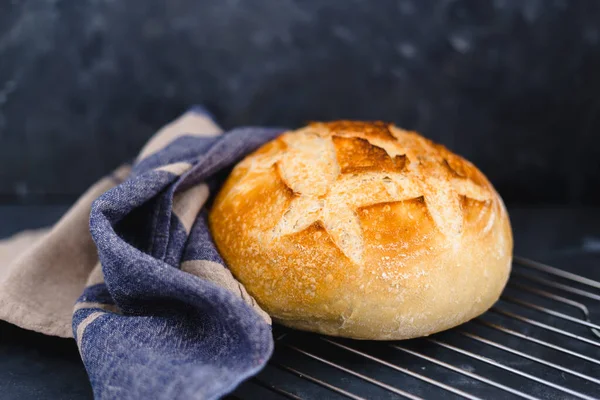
(161, 316)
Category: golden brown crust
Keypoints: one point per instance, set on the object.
(363, 230)
(355, 155)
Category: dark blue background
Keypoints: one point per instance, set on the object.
(513, 85)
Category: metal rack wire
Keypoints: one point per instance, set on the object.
(539, 341)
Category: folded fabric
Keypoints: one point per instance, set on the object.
(131, 272)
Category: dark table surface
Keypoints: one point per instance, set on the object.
(34, 366)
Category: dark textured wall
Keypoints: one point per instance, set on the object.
(514, 85)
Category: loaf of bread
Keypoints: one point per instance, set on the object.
(363, 230)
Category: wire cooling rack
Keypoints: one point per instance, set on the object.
(539, 341)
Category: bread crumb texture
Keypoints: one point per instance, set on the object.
(363, 230)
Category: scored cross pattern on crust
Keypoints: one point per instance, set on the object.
(332, 175)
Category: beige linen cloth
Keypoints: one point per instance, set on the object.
(43, 272)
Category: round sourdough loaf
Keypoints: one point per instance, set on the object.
(363, 230)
